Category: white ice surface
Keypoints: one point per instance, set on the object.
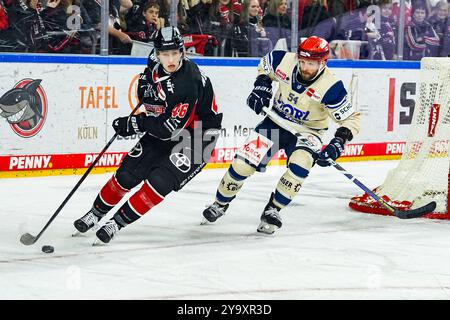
(323, 251)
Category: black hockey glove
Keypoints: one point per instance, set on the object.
(127, 126)
(261, 94)
(335, 148)
(332, 151)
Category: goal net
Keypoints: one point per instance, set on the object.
(422, 174)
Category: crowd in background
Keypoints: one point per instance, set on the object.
(358, 29)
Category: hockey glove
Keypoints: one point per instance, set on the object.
(261, 94)
(127, 126)
(332, 151)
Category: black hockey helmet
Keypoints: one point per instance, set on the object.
(168, 38)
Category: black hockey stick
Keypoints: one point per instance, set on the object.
(28, 239)
(406, 214)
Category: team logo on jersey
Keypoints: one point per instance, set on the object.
(136, 151)
(345, 111)
(180, 161)
(25, 107)
(170, 86)
(313, 94)
(255, 148)
(265, 65)
(291, 113)
(154, 110)
(233, 186)
(280, 74)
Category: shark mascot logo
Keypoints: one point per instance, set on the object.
(25, 107)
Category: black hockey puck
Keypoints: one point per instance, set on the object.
(48, 249)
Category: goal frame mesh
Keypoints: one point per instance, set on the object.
(428, 145)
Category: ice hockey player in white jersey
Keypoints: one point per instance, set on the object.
(308, 96)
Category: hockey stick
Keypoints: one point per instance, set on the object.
(407, 214)
(28, 239)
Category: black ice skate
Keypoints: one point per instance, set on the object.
(89, 220)
(214, 212)
(108, 231)
(270, 219)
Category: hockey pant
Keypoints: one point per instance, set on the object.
(267, 140)
(161, 167)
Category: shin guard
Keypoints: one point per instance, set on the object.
(138, 204)
(110, 195)
(233, 180)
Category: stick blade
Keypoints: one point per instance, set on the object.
(27, 239)
(416, 213)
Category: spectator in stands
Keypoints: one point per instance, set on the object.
(250, 38)
(120, 42)
(197, 16)
(317, 21)
(221, 24)
(396, 11)
(353, 29)
(439, 21)
(445, 52)
(4, 23)
(142, 23)
(56, 37)
(420, 38)
(182, 8)
(277, 22)
(382, 40)
(263, 4)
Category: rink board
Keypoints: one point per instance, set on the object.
(79, 96)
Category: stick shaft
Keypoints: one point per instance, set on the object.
(80, 181)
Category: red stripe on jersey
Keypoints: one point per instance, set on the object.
(145, 199)
(191, 117)
(112, 192)
(214, 106)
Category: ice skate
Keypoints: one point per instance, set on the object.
(88, 221)
(214, 212)
(108, 231)
(270, 219)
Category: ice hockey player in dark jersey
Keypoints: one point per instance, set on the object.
(181, 126)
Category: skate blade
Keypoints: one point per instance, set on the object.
(205, 222)
(266, 228)
(76, 233)
(94, 229)
(98, 243)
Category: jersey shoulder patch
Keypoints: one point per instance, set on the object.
(272, 60)
(335, 95)
(336, 100)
